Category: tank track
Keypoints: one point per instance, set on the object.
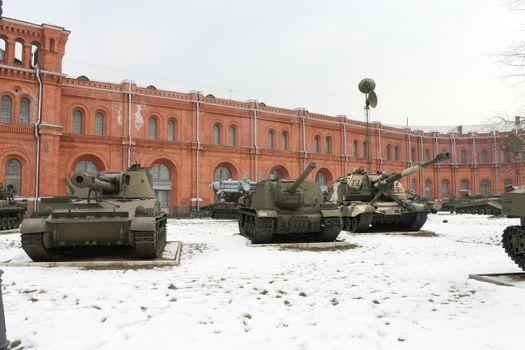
(150, 244)
(9, 222)
(225, 214)
(358, 224)
(418, 222)
(258, 230)
(330, 230)
(33, 245)
(482, 210)
(514, 244)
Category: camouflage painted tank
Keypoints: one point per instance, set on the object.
(380, 200)
(513, 205)
(115, 209)
(11, 211)
(227, 194)
(283, 207)
(477, 205)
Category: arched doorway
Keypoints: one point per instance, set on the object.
(222, 173)
(162, 185)
(13, 174)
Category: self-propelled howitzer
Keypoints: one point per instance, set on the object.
(285, 207)
(380, 200)
(120, 210)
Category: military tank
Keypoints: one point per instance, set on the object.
(11, 211)
(380, 200)
(433, 205)
(513, 205)
(119, 210)
(227, 194)
(279, 208)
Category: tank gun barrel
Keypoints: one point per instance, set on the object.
(295, 185)
(83, 180)
(69, 185)
(440, 158)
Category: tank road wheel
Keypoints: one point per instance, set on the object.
(331, 227)
(514, 244)
(3, 224)
(461, 211)
(488, 211)
(263, 230)
(16, 222)
(10, 223)
(418, 222)
(361, 222)
(33, 245)
(241, 221)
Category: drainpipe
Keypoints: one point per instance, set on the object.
(409, 157)
(304, 142)
(129, 124)
(256, 148)
(379, 154)
(436, 173)
(496, 161)
(197, 168)
(454, 165)
(344, 147)
(474, 165)
(37, 135)
(421, 157)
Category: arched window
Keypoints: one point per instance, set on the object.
(171, 130)
(99, 124)
(355, 149)
(86, 166)
(388, 152)
(484, 156)
(13, 174)
(217, 134)
(428, 189)
(463, 156)
(19, 52)
(2, 49)
(34, 55)
(445, 189)
(464, 185)
(162, 185)
(413, 185)
(7, 103)
(506, 156)
(317, 145)
(427, 155)
(275, 174)
(507, 183)
(160, 173)
(222, 173)
(233, 135)
(24, 110)
(365, 150)
(152, 128)
(77, 121)
(320, 178)
(413, 154)
(485, 188)
(328, 145)
(284, 141)
(270, 140)
(396, 152)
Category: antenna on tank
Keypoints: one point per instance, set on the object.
(367, 86)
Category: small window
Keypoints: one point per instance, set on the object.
(52, 45)
(222, 173)
(276, 174)
(484, 156)
(463, 157)
(233, 135)
(507, 183)
(99, 124)
(355, 149)
(396, 153)
(506, 156)
(152, 128)
(413, 185)
(328, 145)
(24, 110)
(6, 108)
(428, 189)
(2, 49)
(171, 130)
(77, 122)
(284, 141)
(13, 174)
(217, 134)
(34, 55)
(464, 185)
(427, 155)
(388, 152)
(316, 144)
(445, 189)
(86, 166)
(320, 178)
(413, 154)
(19, 52)
(485, 188)
(270, 139)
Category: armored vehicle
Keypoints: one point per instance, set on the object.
(513, 205)
(227, 194)
(119, 210)
(283, 207)
(380, 200)
(478, 205)
(11, 211)
(433, 205)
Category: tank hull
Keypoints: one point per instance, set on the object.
(489, 206)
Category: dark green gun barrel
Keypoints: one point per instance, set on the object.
(83, 180)
(293, 188)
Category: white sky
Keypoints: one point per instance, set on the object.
(433, 61)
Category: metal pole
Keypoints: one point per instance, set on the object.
(4, 343)
(367, 117)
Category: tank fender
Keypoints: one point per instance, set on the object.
(35, 225)
(354, 210)
(143, 223)
(331, 213)
(266, 214)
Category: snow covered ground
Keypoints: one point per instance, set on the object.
(391, 292)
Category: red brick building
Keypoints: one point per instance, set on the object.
(51, 124)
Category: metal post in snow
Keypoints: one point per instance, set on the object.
(4, 343)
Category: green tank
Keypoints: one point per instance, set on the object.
(227, 194)
(106, 209)
(513, 205)
(11, 211)
(278, 208)
(478, 205)
(380, 200)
